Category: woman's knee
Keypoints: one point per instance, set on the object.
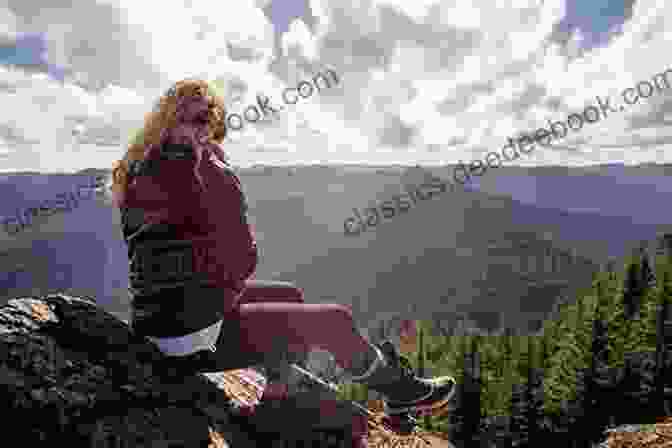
(296, 292)
(338, 311)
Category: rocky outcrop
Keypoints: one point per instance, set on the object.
(654, 435)
(73, 374)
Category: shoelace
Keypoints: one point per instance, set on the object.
(406, 367)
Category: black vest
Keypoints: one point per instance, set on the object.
(168, 298)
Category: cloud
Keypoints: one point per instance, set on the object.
(8, 26)
(12, 136)
(430, 79)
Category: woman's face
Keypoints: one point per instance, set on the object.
(193, 109)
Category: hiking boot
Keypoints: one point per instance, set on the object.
(392, 375)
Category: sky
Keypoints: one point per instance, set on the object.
(427, 82)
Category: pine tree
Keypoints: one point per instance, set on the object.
(580, 421)
(648, 276)
(620, 326)
(507, 366)
(597, 384)
(525, 406)
(457, 417)
(489, 373)
(584, 327)
(600, 340)
(648, 325)
(570, 354)
(476, 414)
(642, 337)
(664, 248)
(545, 351)
(507, 352)
(638, 335)
(610, 267)
(468, 412)
(632, 290)
(517, 411)
(533, 396)
(665, 294)
(562, 373)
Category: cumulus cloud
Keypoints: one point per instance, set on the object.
(431, 80)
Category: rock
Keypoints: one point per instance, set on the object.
(73, 374)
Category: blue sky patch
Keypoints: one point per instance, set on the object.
(30, 51)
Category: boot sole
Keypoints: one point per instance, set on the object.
(435, 408)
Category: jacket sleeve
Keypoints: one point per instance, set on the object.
(231, 223)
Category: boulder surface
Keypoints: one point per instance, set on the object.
(70, 372)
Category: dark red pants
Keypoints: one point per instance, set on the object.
(272, 321)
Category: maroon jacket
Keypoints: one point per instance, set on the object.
(189, 243)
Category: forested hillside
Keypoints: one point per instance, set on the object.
(601, 359)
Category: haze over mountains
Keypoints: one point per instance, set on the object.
(438, 259)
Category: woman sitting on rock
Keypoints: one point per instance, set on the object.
(192, 253)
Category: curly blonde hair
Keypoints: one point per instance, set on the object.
(165, 116)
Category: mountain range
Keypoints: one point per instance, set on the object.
(451, 258)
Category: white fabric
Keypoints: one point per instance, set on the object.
(191, 343)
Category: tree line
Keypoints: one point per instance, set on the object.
(599, 361)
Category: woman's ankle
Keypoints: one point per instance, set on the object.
(366, 362)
